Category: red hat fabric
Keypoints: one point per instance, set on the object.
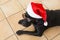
(36, 10)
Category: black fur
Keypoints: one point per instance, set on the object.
(53, 19)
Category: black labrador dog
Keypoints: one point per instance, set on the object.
(53, 19)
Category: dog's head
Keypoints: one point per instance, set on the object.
(26, 21)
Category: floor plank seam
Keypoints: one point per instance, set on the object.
(9, 25)
(45, 36)
(8, 37)
(21, 5)
(55, 36)
(14, 13)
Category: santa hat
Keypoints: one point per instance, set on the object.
(36, 10)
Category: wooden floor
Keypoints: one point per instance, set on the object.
(11, 12)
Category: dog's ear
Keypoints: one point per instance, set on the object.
(26, 15)
(23, 15)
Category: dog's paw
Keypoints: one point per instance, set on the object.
(19, 32)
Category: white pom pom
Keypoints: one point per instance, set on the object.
(45, 23)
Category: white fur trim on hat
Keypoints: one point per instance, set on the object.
(31, 12)
(45, 23)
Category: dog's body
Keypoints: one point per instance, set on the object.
(53, 19)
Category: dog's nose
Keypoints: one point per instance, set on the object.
(19, 22)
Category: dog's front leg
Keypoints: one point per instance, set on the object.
(35, 33)
(38, 31)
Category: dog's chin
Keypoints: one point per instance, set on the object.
(25, 23)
